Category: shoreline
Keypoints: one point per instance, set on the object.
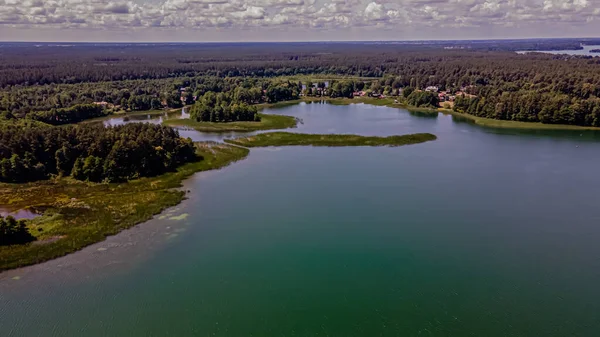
(84, 213)
(504, 124)
(387, 102)
(479, 121)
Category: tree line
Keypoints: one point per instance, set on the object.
(74, 114)
(532, 106)
(91, 152)
(34, 64)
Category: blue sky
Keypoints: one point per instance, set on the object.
(294, 20)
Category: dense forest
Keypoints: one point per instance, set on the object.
(91, 152)
(68, 103)
(29, 64)
(421, 98)
(533, 106)
(44, 83)
(14, 232)
(222, 107)
(74, 114)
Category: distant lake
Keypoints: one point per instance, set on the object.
(484, 232)
(584, 52)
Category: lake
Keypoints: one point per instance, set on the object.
(481, 233)
(581, 52)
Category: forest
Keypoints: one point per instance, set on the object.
(232, 102)
(14, 232)
(91, 152)
(222, 107)
(57, 85)
(74, 114)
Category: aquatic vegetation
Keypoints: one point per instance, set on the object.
(179, 217)
(301, 139)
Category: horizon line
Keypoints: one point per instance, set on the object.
(308, 41)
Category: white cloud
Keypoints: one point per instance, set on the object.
(335, 14)
(375, 11)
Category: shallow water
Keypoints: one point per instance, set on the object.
(480, 233)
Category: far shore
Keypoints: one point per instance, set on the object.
(271, 124)
(480, 121)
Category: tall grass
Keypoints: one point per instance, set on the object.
(302, 139)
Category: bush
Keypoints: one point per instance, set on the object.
(13, 232)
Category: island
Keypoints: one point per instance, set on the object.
(330, 140)
(594, 50)
(263, 122)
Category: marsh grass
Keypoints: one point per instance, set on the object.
(302, 139)
(77, 214)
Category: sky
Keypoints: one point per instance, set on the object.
(293, 20)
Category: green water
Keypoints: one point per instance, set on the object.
(480, 233)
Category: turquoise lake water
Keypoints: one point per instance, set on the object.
(481, 233)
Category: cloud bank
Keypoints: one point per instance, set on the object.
(295, 14)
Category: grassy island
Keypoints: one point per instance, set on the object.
(77, 214)
(267, 122)
(302, 139)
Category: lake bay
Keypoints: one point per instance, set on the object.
(482, 232)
